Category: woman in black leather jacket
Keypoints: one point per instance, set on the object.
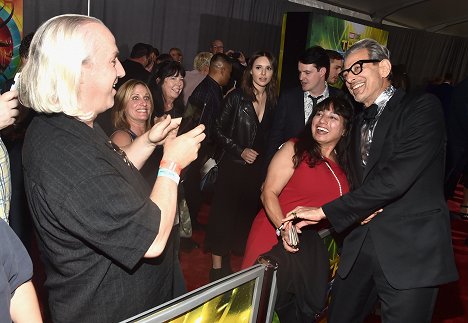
(242, 132)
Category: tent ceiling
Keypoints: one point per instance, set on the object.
(440, 16)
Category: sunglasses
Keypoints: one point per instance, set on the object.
(356, 68)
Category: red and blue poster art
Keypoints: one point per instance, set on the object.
(11, 29)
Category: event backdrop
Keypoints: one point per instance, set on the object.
(11, 29)
(338, 34)
(305, 29)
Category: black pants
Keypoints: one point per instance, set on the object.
(350, 296)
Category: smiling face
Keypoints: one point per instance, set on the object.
(262, 72)
(371, 82)
(327, 127)
(139, 106)
(172, 86)
(100, 73)
(312, 79)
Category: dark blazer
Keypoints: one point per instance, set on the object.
(404, 176)
(457, 137)
(288, 119)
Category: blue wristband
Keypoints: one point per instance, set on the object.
(164, 172)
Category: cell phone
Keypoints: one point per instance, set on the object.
(192, 118)
(15, 81)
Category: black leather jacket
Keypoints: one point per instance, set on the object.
(236, 127)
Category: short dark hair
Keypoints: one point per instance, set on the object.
(140, 50)
(333, 54)
(220, 58)
(24, 46)
(318, 56)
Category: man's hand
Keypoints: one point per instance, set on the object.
(162, 128)
(370, 217)
(305, 215)
(8, 108)
(183, 149)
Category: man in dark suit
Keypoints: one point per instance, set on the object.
(135, 65)
(457, 145)
(397, 163)
(295, 105)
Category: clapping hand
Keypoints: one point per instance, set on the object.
(163, 126)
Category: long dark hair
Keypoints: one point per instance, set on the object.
(164, 70)
(308, 149)
(247, 81)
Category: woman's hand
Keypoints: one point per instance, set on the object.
(285, 238)
(162, 127)
(249, 155)
(183, 149)
(370, 217)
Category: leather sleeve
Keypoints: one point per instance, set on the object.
(226, 123)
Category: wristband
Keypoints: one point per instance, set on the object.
(164, 172)
(170, 165)
(278, 230)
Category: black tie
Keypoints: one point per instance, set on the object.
(315, 99)
(370, 112)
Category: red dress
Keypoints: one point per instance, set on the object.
(306, 187)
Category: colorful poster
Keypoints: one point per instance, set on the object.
(338, 34)
(11, 29)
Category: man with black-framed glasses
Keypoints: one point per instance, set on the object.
(397, 160)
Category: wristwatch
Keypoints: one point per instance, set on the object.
(278, 230)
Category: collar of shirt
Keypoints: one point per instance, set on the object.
(325, 94)
(383, 98)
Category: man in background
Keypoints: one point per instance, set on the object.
(336, 64)
(207, 96)
(135, 65)
(295, 105)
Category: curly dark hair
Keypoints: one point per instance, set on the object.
(308, 149)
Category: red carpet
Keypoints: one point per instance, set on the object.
(196, 264)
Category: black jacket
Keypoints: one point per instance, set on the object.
(236, 127)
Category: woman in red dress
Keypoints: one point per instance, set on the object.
(305, 171)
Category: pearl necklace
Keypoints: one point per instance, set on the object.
(334, 175)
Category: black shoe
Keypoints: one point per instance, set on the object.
(216, 274)
(188, 244)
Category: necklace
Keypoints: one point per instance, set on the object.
(334, 175)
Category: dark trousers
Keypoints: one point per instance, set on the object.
(351, 296)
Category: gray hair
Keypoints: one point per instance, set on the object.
(50, 79)
(375, 50)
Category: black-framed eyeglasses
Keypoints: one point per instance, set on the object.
(356, 68)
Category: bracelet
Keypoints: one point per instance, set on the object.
(278, 230)
(170, 165)
(164, 172)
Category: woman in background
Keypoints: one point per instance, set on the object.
(131, 112)
(241, 131)
(166, 87)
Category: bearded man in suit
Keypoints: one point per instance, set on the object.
(397, 159)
